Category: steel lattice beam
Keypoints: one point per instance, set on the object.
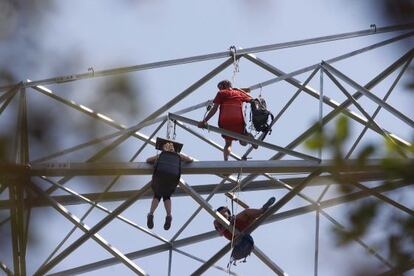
(258, 185)
(204, 167)
(271, 47)
(212, 234)
(199, 167)
(19, 202)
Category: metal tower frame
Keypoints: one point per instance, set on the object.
(20, 178)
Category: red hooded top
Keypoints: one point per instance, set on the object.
(231, 110)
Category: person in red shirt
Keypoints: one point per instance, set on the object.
(231, 117)
(241, 220)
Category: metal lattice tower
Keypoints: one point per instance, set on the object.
(29, 184)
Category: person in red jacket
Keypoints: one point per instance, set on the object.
(231, 117)
(241, 220)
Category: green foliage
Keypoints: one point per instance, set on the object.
(364, 214)
(365, 154)
(360, 219)
(342, 130)
(317, 141)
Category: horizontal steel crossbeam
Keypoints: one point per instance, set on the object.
(200, 189)
(218, 55)
(199, 167)
(244, 138)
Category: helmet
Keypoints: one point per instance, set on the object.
(217, 225)
(223, 208)
(224, 84)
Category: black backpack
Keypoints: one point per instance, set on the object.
(260, 115)
(242, 249)
(167, 173)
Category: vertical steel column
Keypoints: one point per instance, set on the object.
(320, 108)
(169, 261)
(317, 213)
(6, 99)
(315, 272)
(14, 228)
(23, 215)
(16, 191)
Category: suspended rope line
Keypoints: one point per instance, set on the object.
(260, 91)
(233, 51)
(234, 212)
(171, 129)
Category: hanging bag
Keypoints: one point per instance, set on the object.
(260, 115)
(242, 249)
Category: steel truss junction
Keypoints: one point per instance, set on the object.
(28, 184)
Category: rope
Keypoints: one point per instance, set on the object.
(171, 127)
(233, 52)
(237, 193)
(168, 129)
(209, 106)
(175, 128)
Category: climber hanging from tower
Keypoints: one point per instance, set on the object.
(240, 222)
(231, 117)
(167, 172)
(231, 102)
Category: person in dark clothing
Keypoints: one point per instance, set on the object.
(163, 192)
